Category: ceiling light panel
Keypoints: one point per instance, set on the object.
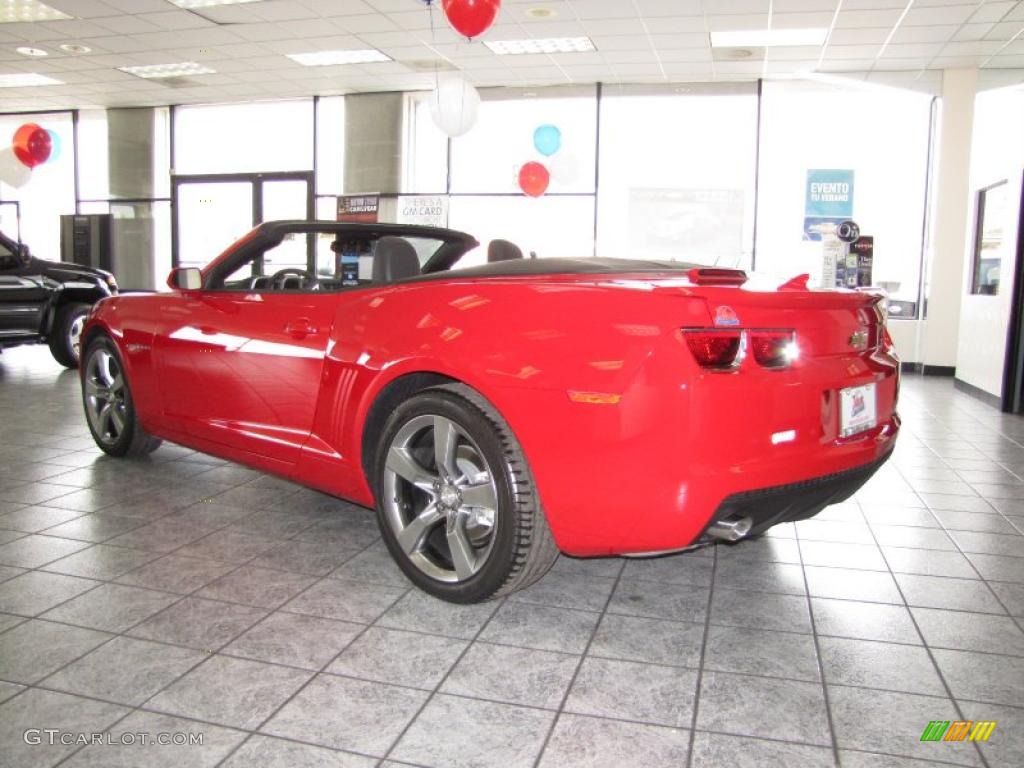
(27, 80)
(192, 4)
(182, 69)
(12, 11)
(541, 45)
(762, 38)
(327, 58)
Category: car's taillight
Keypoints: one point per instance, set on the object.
(718, 350)
(772, 349)
(725, 350)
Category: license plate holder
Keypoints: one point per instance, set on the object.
(858, 411)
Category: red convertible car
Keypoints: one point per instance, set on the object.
(498, 414)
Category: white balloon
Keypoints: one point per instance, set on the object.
(453, 106)
(564, 167)
(13, 172)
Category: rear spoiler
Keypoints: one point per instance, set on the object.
(716, 276)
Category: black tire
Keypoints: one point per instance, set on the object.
(523, 548)
(62, 340)
(131, 440)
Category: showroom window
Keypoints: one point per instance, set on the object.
(486, 200)
(330, 146)
(879, 140)
(244, 138)
(677, 173)
(49, 192)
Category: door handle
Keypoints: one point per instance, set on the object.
(300, 328)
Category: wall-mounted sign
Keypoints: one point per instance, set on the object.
(828, 201)
(425, 210)
(358, 208)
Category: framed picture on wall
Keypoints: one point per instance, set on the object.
(988, 238)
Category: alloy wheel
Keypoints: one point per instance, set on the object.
(105, 396)
(440, 498)
(75, 335)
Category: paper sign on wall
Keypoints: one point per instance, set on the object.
(358, 208)
(828, 201)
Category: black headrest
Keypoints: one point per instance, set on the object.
(503, 250)
(394, 258)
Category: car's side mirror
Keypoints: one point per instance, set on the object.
(185, 279)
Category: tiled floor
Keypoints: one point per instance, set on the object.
(186, 595)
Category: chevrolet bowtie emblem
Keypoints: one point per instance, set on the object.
(859, 339)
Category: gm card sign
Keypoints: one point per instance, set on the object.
(828, 201)
(426, 210)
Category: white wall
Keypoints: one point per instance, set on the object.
(997, 154)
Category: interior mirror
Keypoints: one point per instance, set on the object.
(185, 279)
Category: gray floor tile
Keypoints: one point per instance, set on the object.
(929, 562)
(568, 590)
(489, 734)
(423, 613)
(981, 677)
(635, 638)
(397, 657)
(95, 528)
(175, 573)
(848, 584)
(269, 752)
(542, 627)
(38, 709)
(828, 530)
(345, 600)
(373, 566)
(785, 613)
(836, 555)
(512, 675)
(35, 519)
(787, 578)
(956, 594)
(716, 749)
(34, 550)
(974, 521)
(229, 546)
(659, 601)
(354, 715)
(111, 607)
(9, 572)
(7, 621)
(970, 631)
(633, 691)
(850, 759)
(890, 723)
(101, 562)
(34, 592)
(590, 742)
(757, 706)
(605, 567)
(873, 664)
(260, 587)
(163, 535)
(217, 743)
(32, 650)
(1010, 595)
(126, 670)
(1004, 748)
(203, 624)
(761, 652)
(291, 638)
(982, 543)
(234, 692)
(6, 536)
(763, 549)
(316, 558)
(999, 567)
(912, 537)
(684, 568)
(7, 690)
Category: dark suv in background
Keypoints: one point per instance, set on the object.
(46, 301)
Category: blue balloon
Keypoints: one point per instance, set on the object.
(547, 139)
(54, 145)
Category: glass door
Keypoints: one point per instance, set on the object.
(211, 212)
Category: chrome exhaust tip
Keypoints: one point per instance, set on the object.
(730, 530)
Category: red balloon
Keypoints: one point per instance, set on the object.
(471, 17)
(534, 179)
(32, 145)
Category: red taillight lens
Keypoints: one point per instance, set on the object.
(714, 349)
(772, 349)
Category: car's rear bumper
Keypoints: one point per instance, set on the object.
(770, 506)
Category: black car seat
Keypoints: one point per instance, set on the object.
(394, 258)
(262, 283)
(291, 283)
(503, 250)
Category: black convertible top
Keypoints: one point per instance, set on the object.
(588, 265)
